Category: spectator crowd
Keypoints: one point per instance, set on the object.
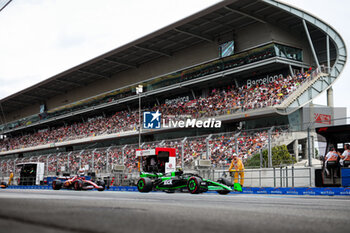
(220, 101)
(103, 160)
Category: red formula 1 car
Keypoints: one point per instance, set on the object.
(78, 183)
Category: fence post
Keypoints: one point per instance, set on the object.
(281, 185)
(274, 177)
(293, 175)
(310, 173)
(261, 158)
(260, 177)
(80, 158)
(183, 152)
(57, 161)
(14, 166)
(107, 158)
(286, 176)
(309, 147)
(270, 147)
(236, 144)
(7, 167)
(123, 154)
(207, 154)
(47, 164)
(68, 156)
(93, 160)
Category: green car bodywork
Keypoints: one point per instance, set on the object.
(179, 180)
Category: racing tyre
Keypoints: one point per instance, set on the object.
(144, 185)
(101, 183)
(3, 185)
(78, 185)
(56, 185)
(223, 192)
(193, 185)
(224, 181)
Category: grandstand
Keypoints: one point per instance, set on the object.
(251, 64)
(4, 3)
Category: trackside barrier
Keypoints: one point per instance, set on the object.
(246, 190)
(269, 177)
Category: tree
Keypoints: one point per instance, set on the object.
(280, 155)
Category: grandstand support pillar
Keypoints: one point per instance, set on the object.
(330, 102)
(311, 44)
(296, 149)
(328, 55)
(139, 90)
(193, 94)
(183, 152)
(291, 70)
(207, 154)
(139, 121)
(236, 82)
(236, 144)
(270, 146)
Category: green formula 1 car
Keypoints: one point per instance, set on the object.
(170, 182)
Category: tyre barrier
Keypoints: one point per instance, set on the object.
(340, 191)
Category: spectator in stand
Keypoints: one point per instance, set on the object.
(220, 101)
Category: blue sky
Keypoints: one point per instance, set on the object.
(40, 38)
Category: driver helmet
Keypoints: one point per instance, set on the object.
(179, 170)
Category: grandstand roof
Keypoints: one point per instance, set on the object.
(204, 26)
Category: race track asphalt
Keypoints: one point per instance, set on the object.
(91, 211)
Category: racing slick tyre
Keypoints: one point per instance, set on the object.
(56, 185)
(144, 185)
(78, 185)
(223, 192)
(224, 181)
(101, 183)
(3, 185)
(193, 185)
